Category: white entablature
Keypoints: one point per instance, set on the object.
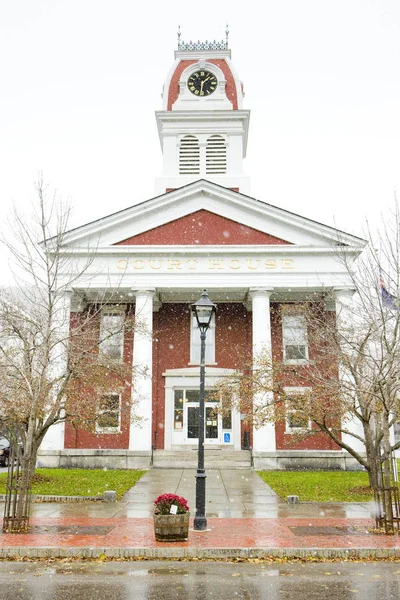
(305, 262)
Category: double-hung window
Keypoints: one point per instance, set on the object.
(195, 342)
(297, 409)
(295, 344)
(112, 334)
(109, 414)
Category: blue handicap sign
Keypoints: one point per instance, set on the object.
(227, 438)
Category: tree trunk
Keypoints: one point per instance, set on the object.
(373, 457)
(374, 470)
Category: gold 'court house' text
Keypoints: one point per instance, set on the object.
(212, 264)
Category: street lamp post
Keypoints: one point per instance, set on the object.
(203, 309)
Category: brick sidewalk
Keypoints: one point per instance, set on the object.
(245, 519)
(112, 537)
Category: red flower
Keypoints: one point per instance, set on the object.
(162, 504)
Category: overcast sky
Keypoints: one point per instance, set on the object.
(81, 80)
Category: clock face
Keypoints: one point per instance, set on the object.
(202, 83)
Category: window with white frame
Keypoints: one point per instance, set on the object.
(195, 342)
(297, 400)
(109, 414)
(112, 334)
(295, 344)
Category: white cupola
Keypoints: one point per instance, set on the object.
(202, 126)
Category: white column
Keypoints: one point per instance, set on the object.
(54, 438)
(263, 437)
(140, 432)
(344, 318)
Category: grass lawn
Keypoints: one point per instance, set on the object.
(320, 486)
(79, 482)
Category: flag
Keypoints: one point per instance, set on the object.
(388, 300)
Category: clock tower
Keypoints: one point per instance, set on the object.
(202, 126)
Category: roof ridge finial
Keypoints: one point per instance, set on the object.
(207, 45)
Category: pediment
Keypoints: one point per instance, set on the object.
(204, 213)
(202, 228)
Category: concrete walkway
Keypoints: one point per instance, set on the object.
(229, 493)
(245, 519)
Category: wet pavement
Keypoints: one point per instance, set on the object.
(245, 518)
(152, 580)
(229, 493)
(232, 494)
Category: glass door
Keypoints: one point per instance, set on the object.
(218, 423)
(212, 425)
(212, 422)
(192, 422)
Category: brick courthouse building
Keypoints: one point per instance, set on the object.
(201, 230)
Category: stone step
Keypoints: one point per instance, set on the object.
(213, 458)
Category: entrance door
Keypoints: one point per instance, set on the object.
(212, 425)
(182, 398)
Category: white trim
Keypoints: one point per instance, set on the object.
(239, 207)
(189, 378)
(208, 66)
(111, 311)
(110, 430)
(302, 327)
(294, 391)
(140, 434)
(264, 437)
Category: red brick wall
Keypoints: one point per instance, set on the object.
(230, 82)
(285, 441)
(171, 348)
(79, 438)
(202, 228)
(233, 342)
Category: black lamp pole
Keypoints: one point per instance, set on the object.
(203, 310)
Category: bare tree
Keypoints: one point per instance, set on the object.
(350, 384)
(51, 368)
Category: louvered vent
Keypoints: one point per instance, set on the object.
(216, 155)
(189, 156)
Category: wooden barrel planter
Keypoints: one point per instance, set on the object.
(171, 528)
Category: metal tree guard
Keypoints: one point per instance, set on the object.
(17, 504)
(387, 504)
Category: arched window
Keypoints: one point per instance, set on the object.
(216, 155)
(189, 156)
